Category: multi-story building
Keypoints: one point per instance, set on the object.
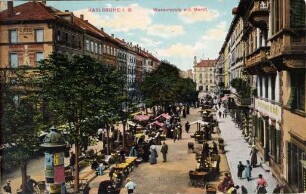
(275, 57)
(27, 38)
(204, 75)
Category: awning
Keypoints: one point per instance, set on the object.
(142, 117)
(164, 115)
(157, 123)
(138, 113)
(224, 98)
(131, 123)
(199, 121)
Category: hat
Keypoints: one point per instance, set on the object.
(8, 181)
(253, 146)
(128, 179)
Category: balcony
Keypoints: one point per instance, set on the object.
(257, 57)
(259, 14)
(240, 101)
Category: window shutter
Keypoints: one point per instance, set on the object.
(277, 140)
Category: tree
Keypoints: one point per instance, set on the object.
(81, 93)
(159, 87)
(20, 119)
(164, 86)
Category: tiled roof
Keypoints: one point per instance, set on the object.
(88, 26)
(206, 63)
(24, 12)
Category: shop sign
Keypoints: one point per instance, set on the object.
(26, 32)
(267, 108)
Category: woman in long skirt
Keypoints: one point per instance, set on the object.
(248, 170)
(153, 154)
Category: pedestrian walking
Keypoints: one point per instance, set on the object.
(175, 134)
(164, 151)
(130, 186)
(240, 169)
(153, 154)
(253, 155)
(7, 187)
(220, 114)
(86, 189)
(261, 185)
(225, 113)
(219, 105)
(248, 170)
(187, 127)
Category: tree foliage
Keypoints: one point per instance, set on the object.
(242, 87)
(20, 119)
(80, 93)
(164, 86)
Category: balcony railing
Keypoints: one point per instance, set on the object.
(257, 57)
(259, 14)
(241, 101)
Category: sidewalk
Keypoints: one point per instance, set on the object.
(238, 150)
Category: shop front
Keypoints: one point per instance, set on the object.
(268, 133)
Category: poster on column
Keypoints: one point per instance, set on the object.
(48, 160)
(59, 174)
(59, 159)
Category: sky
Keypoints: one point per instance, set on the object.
(184, 29)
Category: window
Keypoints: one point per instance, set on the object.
(39, 56)
(87, 45)
(66, 37)
(104, 48)
(100, 49)
(266, 87)
(96, 48)
(14, 60)
(59, 36)
(260, 86)
(92, 46)
(13, 36)
(273, 78)
(297, 13)
(39, 35)
(297, 95)
(276, 10)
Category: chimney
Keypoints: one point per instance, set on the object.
(44, 2)
(82, 17)
(113, 35)
(86, 21)
(137, 45)
(102, 29)
(10, 10)
(66, 10)
(123, 40)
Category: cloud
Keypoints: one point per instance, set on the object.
(213, 36)
(165, 30)
(149, 42)
(203, 14)
(221, 0)
(120, 21)
(179, 50)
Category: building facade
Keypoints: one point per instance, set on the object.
(204, 75)
(273, 43)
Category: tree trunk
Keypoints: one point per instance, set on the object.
(23, 168)
(123, 135)
(76, 167)
(108, 142)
